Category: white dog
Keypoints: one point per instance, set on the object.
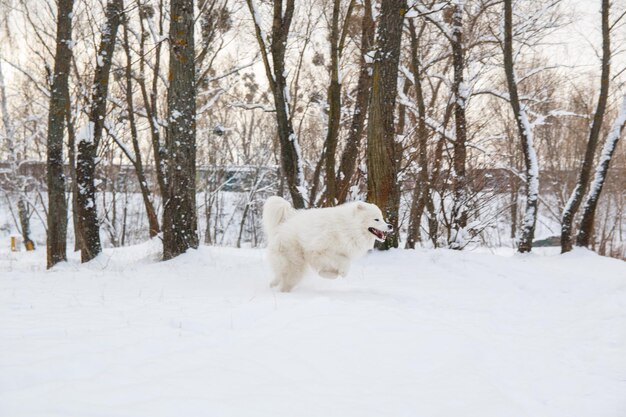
(326, 239)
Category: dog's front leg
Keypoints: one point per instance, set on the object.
(343, 265)
(333, 265)
(328, 273)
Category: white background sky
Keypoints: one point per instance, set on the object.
(581, 39)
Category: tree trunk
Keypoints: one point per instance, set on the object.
(347, 166)
(526, 137)
(514, 205)
(24, 215)
(242, 224)
(59, 102)
(434, 178)
(382, 150)
(459, 89)
(422, 186)
(290, 155)
(334, 110)
(150, 104)
(153, 222)
(71, 154)
(337, 40)
(585, 232)
(585, 171)
(208, 204)
(90, 137)
(179, 216)
(15, 180)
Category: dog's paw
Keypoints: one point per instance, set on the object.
(329, 273)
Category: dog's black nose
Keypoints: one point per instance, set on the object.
(389, 227)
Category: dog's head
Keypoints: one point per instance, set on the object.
(371, 220)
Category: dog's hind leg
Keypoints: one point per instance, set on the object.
(330, 265)
(288, 265)
(292, 277)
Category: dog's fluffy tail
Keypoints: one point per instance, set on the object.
(275, 211)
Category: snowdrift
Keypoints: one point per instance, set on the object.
(408, 333)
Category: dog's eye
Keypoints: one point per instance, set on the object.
(376, 220)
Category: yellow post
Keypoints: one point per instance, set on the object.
(13, 244)
(30, 246)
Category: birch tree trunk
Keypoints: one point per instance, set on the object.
(382, 151)
(524, 128)
(179, 215)
(59, 103)
(584, 175)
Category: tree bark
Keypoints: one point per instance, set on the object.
(526, 137)
(337, 40)
(584, 176)
(71, 156)
(90, 138)
(290, 155)
(59, 102)
(334, 110)
(150, 104)
(422, 186)
(585, 231)
(347, 166)
(459, 89)
(153, 222)
(382, 151)
(179, 216)
(24, 215)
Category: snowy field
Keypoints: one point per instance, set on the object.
(408, 333)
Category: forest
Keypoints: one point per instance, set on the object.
(467, 121)
(459, 241)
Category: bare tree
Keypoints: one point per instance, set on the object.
(291, 158)
(91, 134)
(179, 216)
(59, 103)
(337, 43)
(459, 99)
(526, 136)
(382, 150)
(585, 231)
(150, 95)
(136, 160)
(584, 175)
(347, 166)
(422, 186)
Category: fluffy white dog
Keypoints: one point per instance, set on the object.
(325, 239)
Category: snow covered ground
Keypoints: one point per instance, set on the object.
(428, 333)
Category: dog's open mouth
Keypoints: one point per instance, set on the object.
(380, 235)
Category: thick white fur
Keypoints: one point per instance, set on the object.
(325, 239)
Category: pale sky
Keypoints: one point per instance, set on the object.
(581, 39)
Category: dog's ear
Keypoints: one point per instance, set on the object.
(360, 206)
